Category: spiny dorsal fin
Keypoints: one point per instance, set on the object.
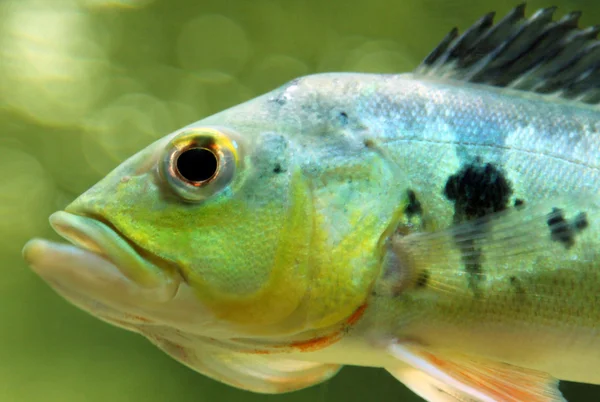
(536, 54)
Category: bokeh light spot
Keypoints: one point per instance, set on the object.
(222, 90)
(124, 127)
(126, 4)
(55, 67)
(275, 70)
(25, 198)
(379, 57)
(213, 42)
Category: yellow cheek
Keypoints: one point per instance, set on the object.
(287, 280)
(310, 283)
(343, 274)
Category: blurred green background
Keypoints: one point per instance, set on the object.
(86, 83)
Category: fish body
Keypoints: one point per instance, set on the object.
(442, 224)
(520, 151)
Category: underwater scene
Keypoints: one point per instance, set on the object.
(87, 84)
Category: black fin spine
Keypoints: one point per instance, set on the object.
(537, 54)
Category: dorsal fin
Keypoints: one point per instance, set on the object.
(536, 54)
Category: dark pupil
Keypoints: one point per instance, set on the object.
(197, 164)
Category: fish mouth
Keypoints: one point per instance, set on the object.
(100, 262)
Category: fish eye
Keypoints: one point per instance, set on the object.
(199, 163)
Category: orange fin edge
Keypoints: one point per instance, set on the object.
(449, 378)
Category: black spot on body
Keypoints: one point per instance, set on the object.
(477, 190)
(556, 217)
(343, 118)
(422, 279)
(519, 203)
(472, 257)
(560, 230)
(277, 169)
(473, 265)
(563, 231)
(581, 222)
(414, 205)
(516, 284)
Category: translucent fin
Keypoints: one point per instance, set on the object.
(496, 250)
(538, 54)
(459, 378)
(262, 373)
(426, 386)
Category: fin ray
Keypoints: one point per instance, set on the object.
(497, 250)
(536, 54)
(468, 379)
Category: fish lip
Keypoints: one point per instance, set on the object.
(98, 236)
(59, 265)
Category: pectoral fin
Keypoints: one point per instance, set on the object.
(492, 254)
(426, 386)
(459, 378)
(268, 374)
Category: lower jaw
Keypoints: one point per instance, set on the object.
(90, 274)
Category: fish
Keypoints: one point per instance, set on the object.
(442, 224)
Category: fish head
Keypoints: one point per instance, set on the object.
(264, 220)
